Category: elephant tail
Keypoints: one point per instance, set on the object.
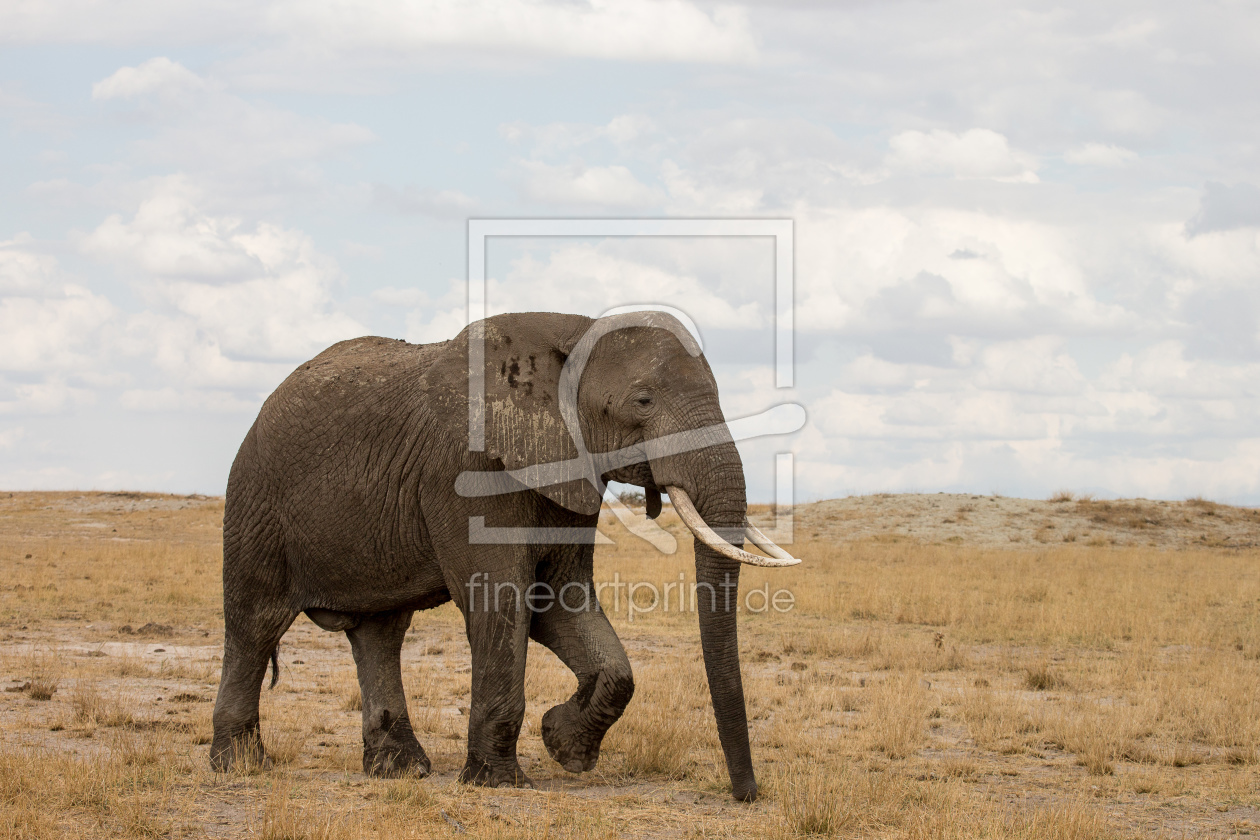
(275, 668)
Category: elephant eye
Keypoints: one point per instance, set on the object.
(641, 401)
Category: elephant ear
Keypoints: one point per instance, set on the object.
(523, 357)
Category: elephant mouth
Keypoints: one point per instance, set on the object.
(696, 524)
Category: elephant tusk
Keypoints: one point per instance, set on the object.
(754, 535)
(692, 519)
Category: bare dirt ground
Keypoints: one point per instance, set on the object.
(953, 666)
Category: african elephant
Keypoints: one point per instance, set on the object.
(360, 495)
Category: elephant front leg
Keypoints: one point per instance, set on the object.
(498, 633)
(587, 644)
(390, 747)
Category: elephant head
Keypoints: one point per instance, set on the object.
(570, 403)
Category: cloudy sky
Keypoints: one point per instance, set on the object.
(1027, 238)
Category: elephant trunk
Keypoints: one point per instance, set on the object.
(717, 592)
(721, 501)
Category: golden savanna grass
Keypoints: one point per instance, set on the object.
(915, 690)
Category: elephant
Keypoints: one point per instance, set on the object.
(362, 494)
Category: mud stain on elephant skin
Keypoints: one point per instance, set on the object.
(511, 370)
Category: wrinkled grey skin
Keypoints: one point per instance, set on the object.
(341, 504)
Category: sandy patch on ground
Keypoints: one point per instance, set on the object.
(1000, 522)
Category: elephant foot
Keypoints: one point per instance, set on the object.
(574, 751)
(392, 761)
(243, 752)
(478, 772)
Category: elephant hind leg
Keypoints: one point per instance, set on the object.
(390, 747)
(249, 644)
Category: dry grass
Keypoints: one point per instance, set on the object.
(822, 801)
(352, 700)
(897, 723)
(285, 818)
(122, 791)
(285, 746)
(997, 721)
(664, 725)
(1042, 676)
(42, 680)
(818, 800)
(1068, 690)
(92, 708)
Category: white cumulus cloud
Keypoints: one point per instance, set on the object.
(257, 292)
(200, 127)
(1036, 365)
(591, 280)
(24, 270)
(976, 153)
(1100, 154)
(54, 331)
(606, 186)
(50, 396)
(404, 30)
(173, 399)
(642, 30)
(159, 77)
(879, 267)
